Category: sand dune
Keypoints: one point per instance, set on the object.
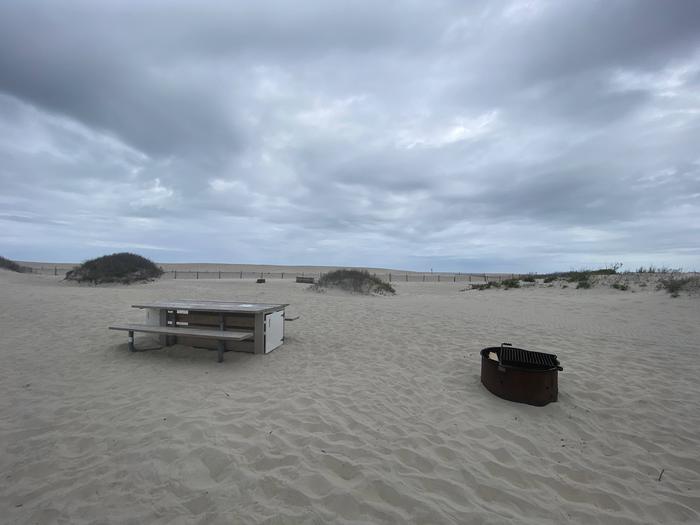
(372, 411)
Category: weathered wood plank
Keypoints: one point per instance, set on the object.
(184, 331)
(246, 346)
(214, 306)
(230, 321)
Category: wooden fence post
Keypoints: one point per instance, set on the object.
(174, 274)
(55, 270)
(389, 277)
(241, 275)
(219, 274)
(197, 275)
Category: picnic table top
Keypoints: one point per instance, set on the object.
(214, 306)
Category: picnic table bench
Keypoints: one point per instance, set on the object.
(246, 327)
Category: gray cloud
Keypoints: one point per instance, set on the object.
(454, 135)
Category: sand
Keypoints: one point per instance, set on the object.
(371, 412)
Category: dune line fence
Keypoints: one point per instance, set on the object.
(392, 277)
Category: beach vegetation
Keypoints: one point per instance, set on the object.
(486, 286)
(8, 264)
(124, 268)
(676, 286)
(356, 281)
(575, 276)
(658, 269)
(583, 283)
(510, 283)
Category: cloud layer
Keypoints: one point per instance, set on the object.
(461, 136)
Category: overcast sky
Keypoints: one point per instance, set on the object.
(459, 136)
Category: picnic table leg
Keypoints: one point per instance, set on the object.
(163, 319)
(132, 348)
(259, 334)
(221, 351)
(222, 344)
(171, 340)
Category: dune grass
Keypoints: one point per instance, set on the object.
(511, 283)
(356, 281)
(124, 268)
(11, 265)
(684, 284)
(486, 286)
(658, 269)
(582, 277)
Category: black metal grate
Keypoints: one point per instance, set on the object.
(511, 356)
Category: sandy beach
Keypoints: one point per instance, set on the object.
(371, 412)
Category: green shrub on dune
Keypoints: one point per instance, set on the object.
(576, 276)
(583, 283)
(357, 281)
(125, 268)
(676, 286)
(8, 264)
(510, 283)
(486, 286)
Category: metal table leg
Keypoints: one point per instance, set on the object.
(221, 347)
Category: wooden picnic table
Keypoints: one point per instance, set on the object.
(245, 327)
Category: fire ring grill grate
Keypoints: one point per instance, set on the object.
(509, 355)
(520, 375)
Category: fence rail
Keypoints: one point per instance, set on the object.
(392, 277)
(389, 276)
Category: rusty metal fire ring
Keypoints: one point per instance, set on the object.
(520, 375)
